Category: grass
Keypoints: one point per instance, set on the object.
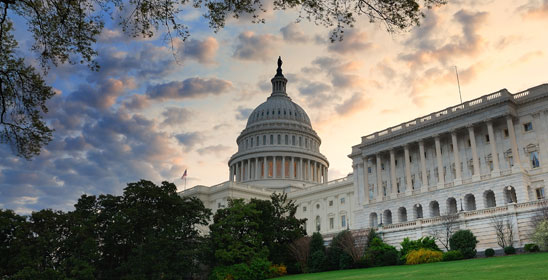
(526, 266)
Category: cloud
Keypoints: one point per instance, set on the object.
(352, 105)
(174, 116)
(190, 139)
(251, 46)
(101, 97)
(292, 33)
(218, 150)
(317, 94)
(189, 88)
(203, 51)
(353, 41)
(243, 113)
(534, 9)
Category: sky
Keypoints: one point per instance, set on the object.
(151, 112)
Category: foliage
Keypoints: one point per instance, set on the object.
(66, 31)
(317, 261)
(337, 257)
(349, 246)
(316, 243)
(258, 268)
(300, 251)
(465, 242)
(380, 254)
(277, 270)
(452, 256)
(509, 250)
(426, 242)
(541, 235)
(489, 252)
(371, 236)
(423, 255)
(148, 232)
(530, 247)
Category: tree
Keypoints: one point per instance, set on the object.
(465, 242)
(64, 31)
(504, 229)
(300, 250)
(443, 232)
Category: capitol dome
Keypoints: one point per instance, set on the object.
(278, 148)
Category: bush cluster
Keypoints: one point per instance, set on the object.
(423, 256)
(465, 242)
(277, 270)
(258, 268)
(531, 248)
(380, 254)
(452, 256)
(413, 245)
(541, 235)
(509, 250)
(489, 252)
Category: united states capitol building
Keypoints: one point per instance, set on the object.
(484, 158)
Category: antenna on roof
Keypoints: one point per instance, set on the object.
(458, 83)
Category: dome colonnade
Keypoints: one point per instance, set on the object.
(278, 143)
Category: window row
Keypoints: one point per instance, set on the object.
(279, 139)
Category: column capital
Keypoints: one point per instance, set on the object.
(470, 126)
(436, 136)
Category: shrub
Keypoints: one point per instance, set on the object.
(465, 242)
(509, 250)
(277, 270)
(489, 252)
(337, 258)
(541, 235)
(531, 248)
(423, 256)
(452, 256)
(380, 254)
(316, 243)
(421, 243)
(317, 261)
(258, 268)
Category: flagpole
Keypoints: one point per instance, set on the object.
(458, 83)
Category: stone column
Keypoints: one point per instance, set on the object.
(300, 170)
(265, 168)
(456, 156)
(475, 159)
(292, 168)
(366, 180)
(543, 141)
(274, 171)
(257, 169)
(513, 141)
(283, 167)
(238, 174)
(408, 182)
(248, 175)
(424, 187)
(357, 170)
(231, 175)
(441, 179)
(393, 183)
(379, 179)
(494, 154)
(326, 174)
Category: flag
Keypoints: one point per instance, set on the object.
(184, 175)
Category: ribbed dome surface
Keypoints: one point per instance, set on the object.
(278, 107)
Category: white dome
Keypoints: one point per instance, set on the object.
(278, 107)
(278, 147)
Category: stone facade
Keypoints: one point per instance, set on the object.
(483, 158)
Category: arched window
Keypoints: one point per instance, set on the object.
(418, 211)
(402, 214)
(451, 205)
(469, 202)
(510, 195)
(434, 209)
(318, 223)
(489, 199)
(373, 220)
(293, 140)
(387, 217)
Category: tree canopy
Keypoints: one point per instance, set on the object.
(65, 31)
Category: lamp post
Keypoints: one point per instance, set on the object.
(380, 225)
(461, 205)
(510, 193)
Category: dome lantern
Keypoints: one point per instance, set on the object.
(279, 81)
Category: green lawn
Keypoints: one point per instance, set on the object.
(527, 266)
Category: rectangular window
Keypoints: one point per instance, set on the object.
(396, 162)
(304, 208)
(540, 193)
(251, 142)
(257, 140)
(506, 133)
(342, 200)
(271, 139)
(246, 142)
(469, 143)
(410, 159)
(451, 147)
(279, 139)
(331, 203)
(382, 166)
(534, 159)
(528, 126)
(300, 141)
(368, 169)
(306, 142)
(331, 223)
(343, 221)
(486, 138)
(293, 140)
(264, 139)
(287, 140)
